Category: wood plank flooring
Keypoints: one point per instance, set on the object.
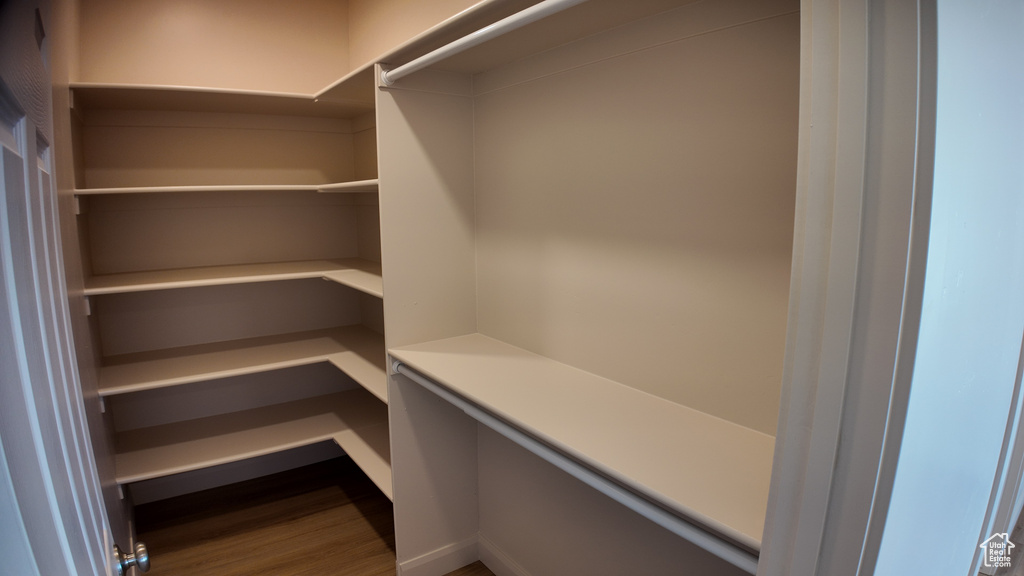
(324, 519)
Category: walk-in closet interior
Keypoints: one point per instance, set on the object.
(536, 289)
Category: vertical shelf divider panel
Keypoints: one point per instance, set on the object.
(425, 145)
(638, 441)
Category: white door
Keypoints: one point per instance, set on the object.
(52, 516)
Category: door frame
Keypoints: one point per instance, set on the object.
(867, 124)
(55, 520)
(866, 165)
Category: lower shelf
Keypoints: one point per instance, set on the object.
(355, 419)
(370, 449)
(704, 469)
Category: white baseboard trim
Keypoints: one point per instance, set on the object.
(441, 561)
(497, 560)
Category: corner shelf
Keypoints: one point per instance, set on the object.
(355, 350)
(355, 420)
(703, 468)
(350, 96)
(362, 275)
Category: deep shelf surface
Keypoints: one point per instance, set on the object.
(355, 350)
(362, 275)
(704, 468)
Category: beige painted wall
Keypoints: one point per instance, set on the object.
(295, 46)
(299, 46)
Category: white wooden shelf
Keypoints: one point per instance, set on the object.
(703, 468)
(362, 275)
(370, 448)
(356, 420)
(348, 97)
(355, 350)
(354, 186)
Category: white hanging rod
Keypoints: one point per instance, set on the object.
(517, 20)
(725, 550)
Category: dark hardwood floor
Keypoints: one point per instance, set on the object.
(325, 519)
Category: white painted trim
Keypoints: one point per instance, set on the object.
(857, 220)
(973, 326)
(20, 430)
(497, 561)
(897, 188)
(441, 561)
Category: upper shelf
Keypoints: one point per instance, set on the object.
(335, 188)
(707, 469)
(362, 275)
(348, 97)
